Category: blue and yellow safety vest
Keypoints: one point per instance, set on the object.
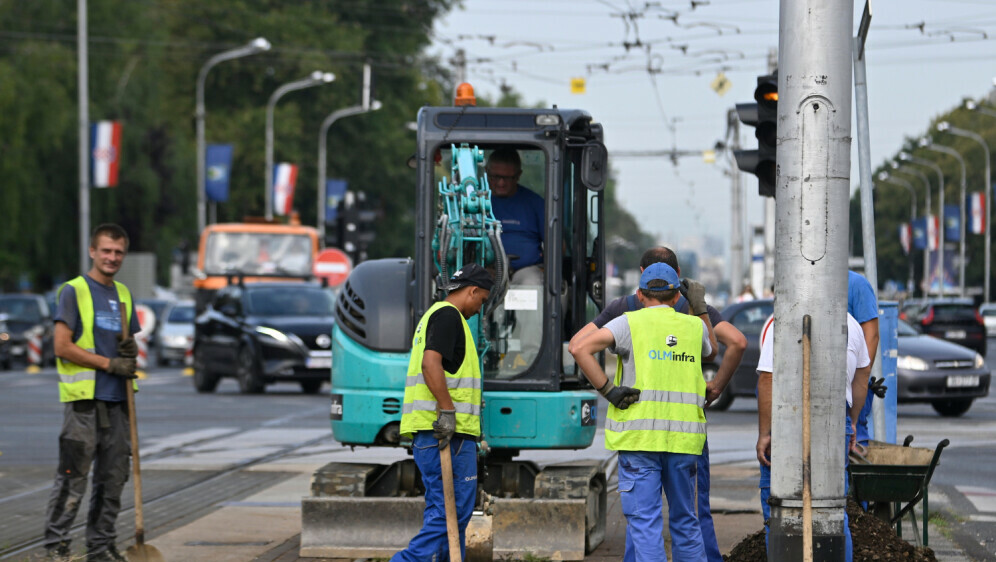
(667, 356)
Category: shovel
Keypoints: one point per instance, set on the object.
(449, 502)
(139, 552)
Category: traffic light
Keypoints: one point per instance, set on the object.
(763, 115)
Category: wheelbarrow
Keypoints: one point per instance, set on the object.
(896, 477)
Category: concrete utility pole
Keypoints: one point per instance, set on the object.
(736, 206)
(961, 209)
(83, 85)
(812, 187)
(867, 195)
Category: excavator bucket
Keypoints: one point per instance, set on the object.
(545, 529)
(349, 527)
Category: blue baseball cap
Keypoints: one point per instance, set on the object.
(660, 272)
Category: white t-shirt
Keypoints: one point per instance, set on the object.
(857, 350)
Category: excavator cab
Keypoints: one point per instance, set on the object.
(535, 397)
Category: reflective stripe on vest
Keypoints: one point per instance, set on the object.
(419, 408)
(667, 355)
(77, 382)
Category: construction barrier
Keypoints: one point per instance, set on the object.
(34, 352)
(142, 361)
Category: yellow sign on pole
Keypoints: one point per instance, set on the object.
(577, 85)
(721, 84)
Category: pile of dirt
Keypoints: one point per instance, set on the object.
(873, 539)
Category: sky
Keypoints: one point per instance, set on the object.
(922, 58)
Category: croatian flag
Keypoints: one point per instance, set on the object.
(977, 212)
(905, 237)
(284, 178)
(933, 232)
(105, 143)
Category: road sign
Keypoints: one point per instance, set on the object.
(334, 265)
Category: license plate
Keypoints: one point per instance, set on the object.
(17, 350)
(955, 334)
(318, 363)
(962, 381)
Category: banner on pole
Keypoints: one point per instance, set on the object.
(977, 212)
(952, 223)
(218, 160)
(919, 229)
(905, 237)
(105, 152)
(284, 180)
(335, 190)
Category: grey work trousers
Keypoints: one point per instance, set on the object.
(105, 443)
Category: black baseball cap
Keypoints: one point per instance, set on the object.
(471, 275)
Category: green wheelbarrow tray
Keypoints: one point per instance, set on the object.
(894, 473)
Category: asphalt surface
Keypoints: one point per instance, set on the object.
(223, 473)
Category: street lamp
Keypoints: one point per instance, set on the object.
(322, 141)
(946, 127)
(316, 78)
(885, 177)
(911, 171)
(972, 106)
(257, 45)
(929, 145)
(940, 211)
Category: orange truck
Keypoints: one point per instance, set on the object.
(252, 252)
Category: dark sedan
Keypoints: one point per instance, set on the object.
(261, 333)
(4, 343)
(955, 320)
(946, 375)
(28, 316)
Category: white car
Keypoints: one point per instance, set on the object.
(176, 332)
(988, 313)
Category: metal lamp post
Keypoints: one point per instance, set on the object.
(317, 78)
(885, 177)
(946, 127)
(257, 45)
(929, 145)
(911, 171)
(940, 211)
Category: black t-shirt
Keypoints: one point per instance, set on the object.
(622, 305)
(444, 335)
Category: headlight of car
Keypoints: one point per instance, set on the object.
(281, 337)
(911, 363)
(980, 361)
(176, 341)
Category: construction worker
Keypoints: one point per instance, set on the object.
(442, 408)
(726, 334)
(655, 418)
(94, 364)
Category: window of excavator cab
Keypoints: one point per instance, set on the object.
(258, 253)
(514, 331)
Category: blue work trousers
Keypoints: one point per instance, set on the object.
(431, 544)
(709, 541)
(642, 478)
(765, 486)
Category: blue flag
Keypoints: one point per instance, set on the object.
(218, 168)
(920, 233)
(335, 190)
(952, 223)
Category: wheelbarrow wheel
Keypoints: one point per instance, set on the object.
(952, 408)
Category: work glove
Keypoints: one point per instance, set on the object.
(444, 427)
(622, 397)
(123, 367)
(877, 387)
(695, 294)
(127, 347)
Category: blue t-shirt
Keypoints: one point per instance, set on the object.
(522, 231)
(861, 302)
(106, 329)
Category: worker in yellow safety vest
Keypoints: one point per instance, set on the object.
(655, 415)
(442, 408)
(94, 364)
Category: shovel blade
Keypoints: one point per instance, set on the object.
(143, 553)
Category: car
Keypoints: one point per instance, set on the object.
(910, 309)
(955, 320)
(262, 333)
(176, 333)
(946, 375)
(988, 313)
(749, 318)
(28, 315)
(5, 357)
